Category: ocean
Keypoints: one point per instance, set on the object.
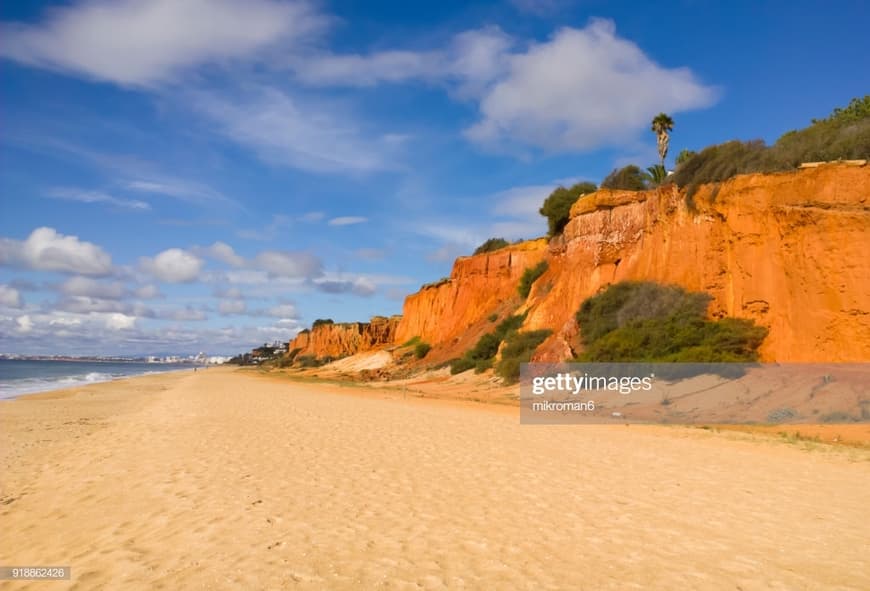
(19, 377)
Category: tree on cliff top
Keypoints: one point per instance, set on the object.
(662, 125)
(627, 178)
(557, 207)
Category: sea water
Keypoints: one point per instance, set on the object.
(19, 376)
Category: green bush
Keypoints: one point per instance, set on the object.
(322, 321)
(491, 245)
(519, 347)
(529, 276)
(487, 346)
(461, 364)
(557, 207)
(422, 349)
(309, 361)
(482, 365)
(412, 341)
(635, 321)
(629, 178)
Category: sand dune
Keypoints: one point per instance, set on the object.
(221, 480)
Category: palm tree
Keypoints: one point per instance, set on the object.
(661, 125)
(657, 174)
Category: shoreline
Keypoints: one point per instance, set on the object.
(220, 479)
(86, 382)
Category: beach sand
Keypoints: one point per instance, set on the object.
(223, 480)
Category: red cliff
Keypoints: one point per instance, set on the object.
(345, 338)
(790, 251)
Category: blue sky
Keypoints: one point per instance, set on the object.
(209, 175)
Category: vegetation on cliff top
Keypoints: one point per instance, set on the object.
(491, 245)
(845, 134)
(643, 321)
(557, 207)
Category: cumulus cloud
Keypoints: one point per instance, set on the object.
(361, 286)
(222, 252)
(347, 220)
(173, 266)
(47, 250)
(289, 264)
(135, 43)
(86, 305)
(582, 89)
(85, 286)
(147, 292)
(9, 297)
(186, 314)
(120, 321)
(283, 311)
(84, 196)
(232, 306)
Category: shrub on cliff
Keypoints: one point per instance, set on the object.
(529, 276)
(487, 345)
(491, 245)
(422, 349)
(634, 321)
(627, 178)
(518, 349)
(322, 321)
(557, 207)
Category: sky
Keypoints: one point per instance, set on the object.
(210, 175)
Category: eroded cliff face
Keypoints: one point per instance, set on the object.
(478, 286)
(790, 250)
(345, 338)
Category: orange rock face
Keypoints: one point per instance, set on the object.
(789, 250)
(478, 285)
(346, 338)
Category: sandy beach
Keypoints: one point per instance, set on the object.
(224, 480)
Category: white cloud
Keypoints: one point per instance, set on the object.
(47, 250)
(9, 297)
(187, 314)
(120, 321)
(583, 89)
(222, 252)
(183, 190)
(232, 306)
(25, 324)
(136, 43)
(173, 266)
(361, 286)
(87, 305)
(471, 59)
(147, 292)
(580, 90)
(286, 131)
(289, 264)
(283, 311)
(85, 286)
(347, 220)
(83, 196)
